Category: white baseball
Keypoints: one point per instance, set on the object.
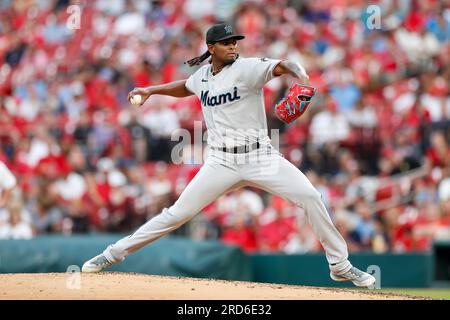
(136, 99)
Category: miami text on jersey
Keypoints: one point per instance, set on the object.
(219, 99)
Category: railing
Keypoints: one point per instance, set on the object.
(399, 186)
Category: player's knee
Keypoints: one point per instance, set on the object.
(311, 195)
(173, 216)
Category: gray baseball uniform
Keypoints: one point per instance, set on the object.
(233, 108)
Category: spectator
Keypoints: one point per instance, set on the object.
(162, 122)
(329, 126)
(363, 116)
(304, 240)
(159, 189)
(16, 227)
(344, 92)
(141, 138)
(46, 217)
(239, 232)
(365, 228)
(7, 183)
(277, 225)
(380, 240)
(438, 155)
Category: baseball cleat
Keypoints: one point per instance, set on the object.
(96, 264)
(358, 277)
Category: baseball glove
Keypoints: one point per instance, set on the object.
(295, 103)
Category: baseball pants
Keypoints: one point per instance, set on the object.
(264, 168)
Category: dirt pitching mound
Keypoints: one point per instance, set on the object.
(126, 286)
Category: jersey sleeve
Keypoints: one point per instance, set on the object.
(256, 72)
(192, 83)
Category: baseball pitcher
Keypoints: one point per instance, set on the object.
(230, 89)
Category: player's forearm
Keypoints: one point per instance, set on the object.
(295, 69)
(174, 89)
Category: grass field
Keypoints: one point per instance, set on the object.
(434, 293)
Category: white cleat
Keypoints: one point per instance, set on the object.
(358, 277)
(96, 264)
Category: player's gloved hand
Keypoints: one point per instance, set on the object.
(144, 92)
(295, 103)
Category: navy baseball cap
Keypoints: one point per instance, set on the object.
(221, 32)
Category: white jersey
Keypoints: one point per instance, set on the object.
(233, 101)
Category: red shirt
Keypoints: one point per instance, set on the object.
(273, 235)
(242, 237)
(437, 160)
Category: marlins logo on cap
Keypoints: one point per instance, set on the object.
(221, 32)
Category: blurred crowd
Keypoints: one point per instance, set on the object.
(375, 142)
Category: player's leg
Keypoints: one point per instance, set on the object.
(210, 182)
(290, 183)
(277, 175)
